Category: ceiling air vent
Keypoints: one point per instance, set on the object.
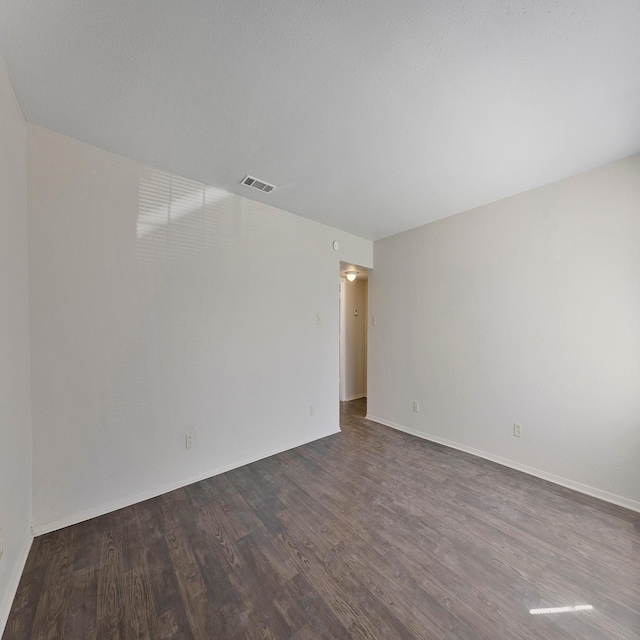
(260, 185)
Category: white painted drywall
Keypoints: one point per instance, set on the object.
(15, 415)
(526, 310)
(161, 307)
(355, 339)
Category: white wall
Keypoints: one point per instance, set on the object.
(526, 310)
(159, 307)
(355, 339)
(15, 417)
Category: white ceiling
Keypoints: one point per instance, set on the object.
(373, 117)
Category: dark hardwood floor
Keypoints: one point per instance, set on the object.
(369, 533)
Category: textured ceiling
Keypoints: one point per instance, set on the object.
(373, 117)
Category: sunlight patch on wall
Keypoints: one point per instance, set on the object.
(178, 217)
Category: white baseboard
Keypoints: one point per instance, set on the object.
(14, 581)
(621, 501)
(356, 397)
(127, 501)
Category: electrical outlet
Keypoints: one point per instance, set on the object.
(374, 321)
(188, 440)
(416, 406)
(318, 319)
(312, 410)
(517, 430)
(1, 543)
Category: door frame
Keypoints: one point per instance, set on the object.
(341, 339)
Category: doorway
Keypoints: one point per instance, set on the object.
(354, 298)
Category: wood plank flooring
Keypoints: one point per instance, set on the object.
(369, 533)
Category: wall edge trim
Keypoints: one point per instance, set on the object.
(620, 501)
(153, 492)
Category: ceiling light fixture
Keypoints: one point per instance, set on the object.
(351, 275)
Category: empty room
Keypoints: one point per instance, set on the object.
(320, 320)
